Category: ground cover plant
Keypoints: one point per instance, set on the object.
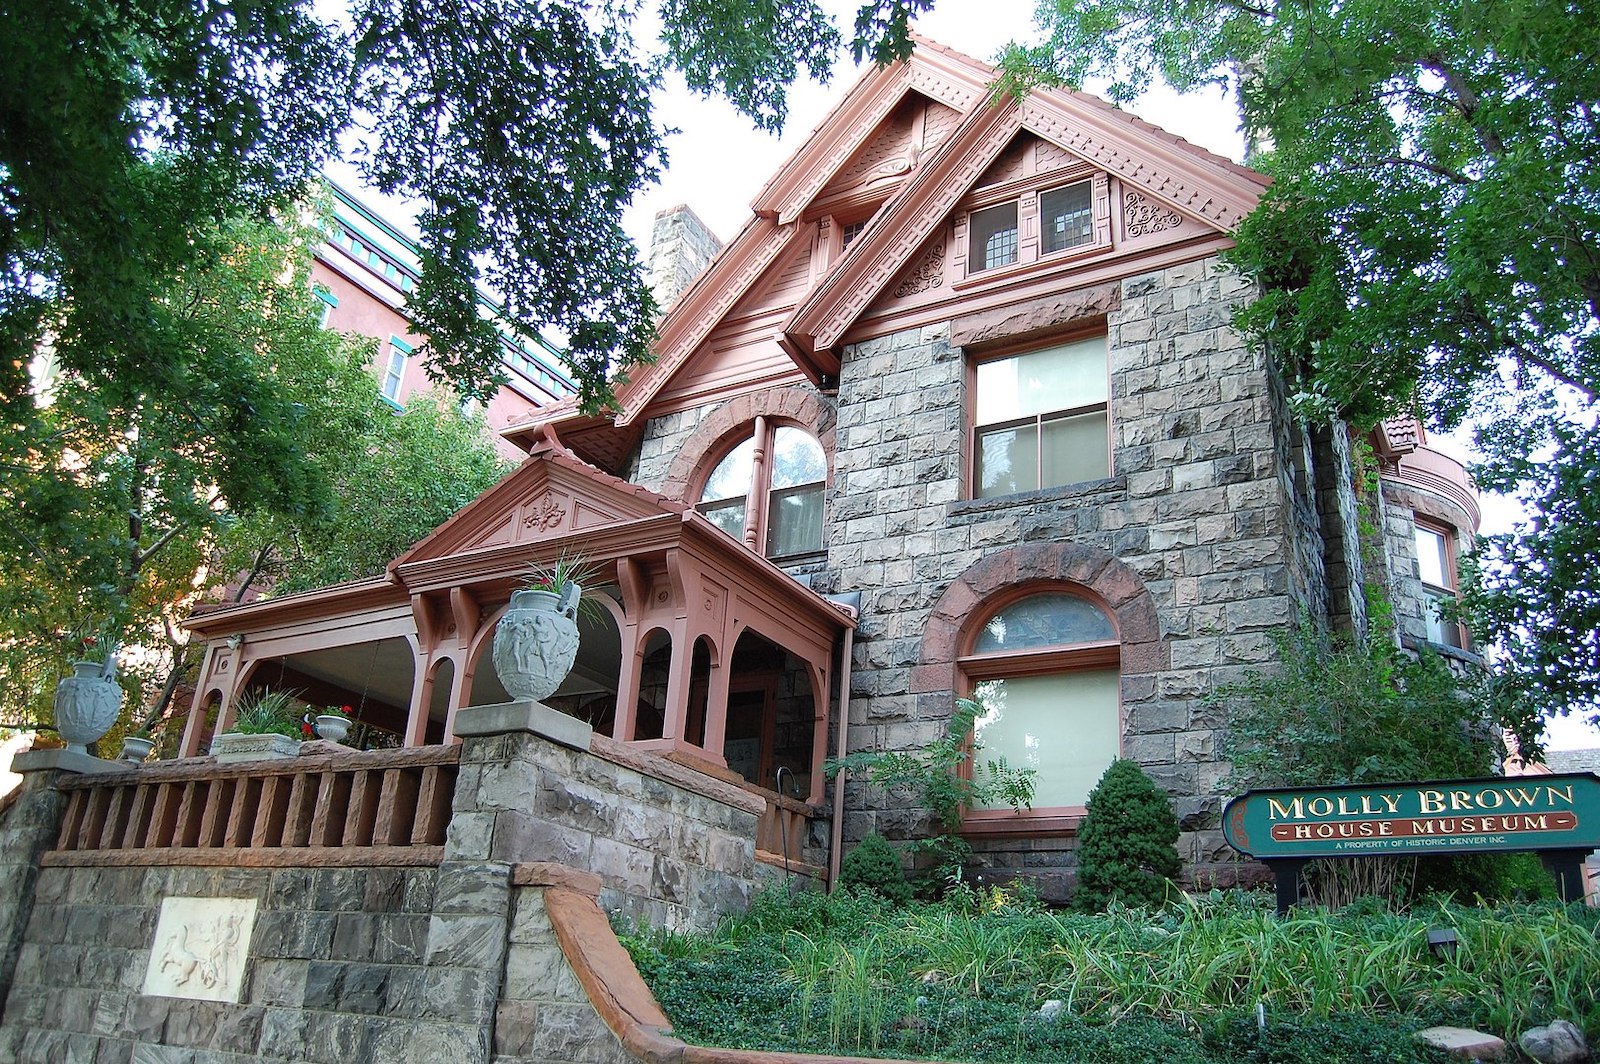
(965, 979)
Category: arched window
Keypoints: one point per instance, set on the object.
(1045, 668)
(768, 490)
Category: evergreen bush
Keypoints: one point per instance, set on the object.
(874, 865)
(1126, 850)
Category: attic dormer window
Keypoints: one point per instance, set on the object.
(993, 237)
(1066, 217)
(1039, 219)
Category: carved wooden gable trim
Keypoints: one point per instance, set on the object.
(1167, 169)
(552, 494)
(700, 309)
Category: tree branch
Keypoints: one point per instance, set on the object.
(1466, 102)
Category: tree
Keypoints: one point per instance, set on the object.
(523, 126)
(1431, 242)
(129, 500)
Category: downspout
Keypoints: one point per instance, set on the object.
(836, 835)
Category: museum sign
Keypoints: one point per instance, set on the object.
(1557, 815)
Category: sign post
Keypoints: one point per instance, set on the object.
(1557, 816)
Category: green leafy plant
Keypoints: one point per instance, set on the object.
(958, 980)
(268, 712)
(1339, 711)
(556, 576)
(873, 865)
(1126, 849)
(944, 779)
(342, 712)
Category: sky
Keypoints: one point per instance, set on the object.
(717, 162)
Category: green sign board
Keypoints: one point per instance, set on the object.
(1554, 812)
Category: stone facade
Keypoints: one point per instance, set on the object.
(1203, 519)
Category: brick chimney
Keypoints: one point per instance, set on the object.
(680, 247)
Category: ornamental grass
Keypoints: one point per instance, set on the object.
(1216, 979)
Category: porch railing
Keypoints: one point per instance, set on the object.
(375, 807)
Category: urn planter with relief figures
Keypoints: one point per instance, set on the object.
(87, 704)
(537, 641)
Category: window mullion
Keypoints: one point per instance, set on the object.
(755, 516)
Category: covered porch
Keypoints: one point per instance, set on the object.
(692, 647)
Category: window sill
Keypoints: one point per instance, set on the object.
(1444, 650)
(1048, 264)
(1116, 485)
(1033, 823)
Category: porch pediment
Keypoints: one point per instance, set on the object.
(552, 494)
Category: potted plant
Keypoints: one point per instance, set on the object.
(537, 639)
(265, 726)
(89, 701)
(333, 723)
(136, 745)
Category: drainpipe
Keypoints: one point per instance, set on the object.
(836, 839)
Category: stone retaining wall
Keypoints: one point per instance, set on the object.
(352, 961)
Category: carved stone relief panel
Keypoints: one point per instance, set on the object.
(200, 948)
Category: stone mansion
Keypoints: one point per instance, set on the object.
(958, 410)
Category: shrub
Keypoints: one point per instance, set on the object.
(1126, 849)
(874, 865)
(938, 778)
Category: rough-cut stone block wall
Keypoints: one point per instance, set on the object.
(28, 824)
(437, 965)
(667, 854)
(338, 971)
(1195, 509)
(1340, 510)
(544, 1014)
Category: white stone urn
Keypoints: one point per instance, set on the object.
(332, 726)
(537, 642)
(87, 704)
(136, 748)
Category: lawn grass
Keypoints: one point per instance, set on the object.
(965, 979)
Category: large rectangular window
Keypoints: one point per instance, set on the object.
(1040, 419)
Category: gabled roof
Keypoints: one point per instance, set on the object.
(1167, 168)
(553, 493)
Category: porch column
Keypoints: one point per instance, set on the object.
(421, 695)
(819, 730)
(628, 683)
(459, 693)
(717, 702)
(678, 673)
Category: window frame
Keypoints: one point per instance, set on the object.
(973, 668)
(1433, 592)
(1015, 350)
(1026, 193)
(398, 348)
(759, 494)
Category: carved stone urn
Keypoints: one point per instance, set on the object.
(537, 642)
(87, 704)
